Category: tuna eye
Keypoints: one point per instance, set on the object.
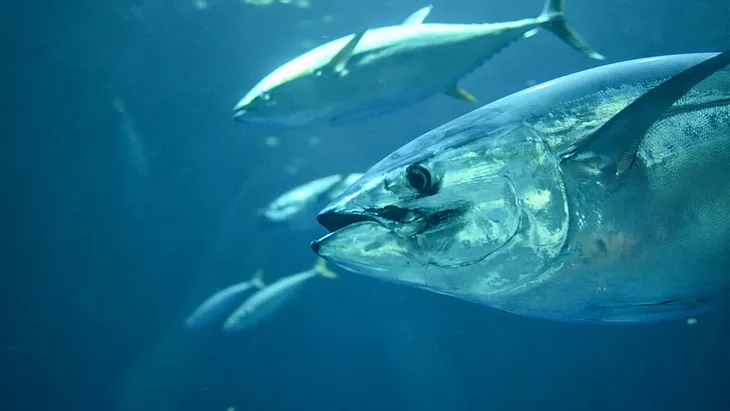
(419, 178)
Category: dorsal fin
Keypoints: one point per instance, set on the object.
(418, 16)
(619, 138)
(338, 64)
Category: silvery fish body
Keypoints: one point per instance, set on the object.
(271, 298)
(383, 69)
(223, 302)
(219, 304)
(516, 206)
(296, 209)
(299, 199)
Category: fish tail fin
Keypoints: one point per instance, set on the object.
(257, 279)
(321, 268)
(553, 18)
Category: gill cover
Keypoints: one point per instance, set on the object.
(505, 206)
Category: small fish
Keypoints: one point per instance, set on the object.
(295, 201)
(297, 208)
(598, 197)
(383, 69)
(264, 302)
(223, 301)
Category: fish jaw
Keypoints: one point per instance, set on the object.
(369, 248)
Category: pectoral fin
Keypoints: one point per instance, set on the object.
(619, 138)
(457, 92)
(418, 16)
(338, 64)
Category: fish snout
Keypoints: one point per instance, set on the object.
(239, 115)
(315, 246)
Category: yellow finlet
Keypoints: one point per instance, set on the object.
(321, 267)
(458, 92)
(257, 279)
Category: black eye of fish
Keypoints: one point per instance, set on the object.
(393, 213)
(420, 179)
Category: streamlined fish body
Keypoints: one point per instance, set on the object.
(268, 300)
(598, 197)
(383, 69)
(215, 307)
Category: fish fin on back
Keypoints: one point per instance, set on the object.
(418, 16)
(459, 93)
(258, 279)
(338, 63)
(619, 138)
(321, 267)
(553, 18)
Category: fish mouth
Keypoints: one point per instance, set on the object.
(337, 221)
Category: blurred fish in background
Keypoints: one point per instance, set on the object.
(296, 209)
(257, 306)
(218, 304)
(268, 300)
(136, 161)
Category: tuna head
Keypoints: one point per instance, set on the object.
(479, 212)
(297, 93)
(286, 101)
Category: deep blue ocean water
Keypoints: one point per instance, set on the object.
(118, 223)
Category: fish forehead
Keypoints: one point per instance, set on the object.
(418, 35)
(531, 105)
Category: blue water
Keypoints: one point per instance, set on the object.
(110, 243)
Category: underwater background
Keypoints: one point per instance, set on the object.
(130, 195)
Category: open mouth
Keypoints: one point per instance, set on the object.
(335, 221)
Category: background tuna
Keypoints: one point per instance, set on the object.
(94, 292)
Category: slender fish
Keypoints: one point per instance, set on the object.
(223, 301)
(265, 302)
